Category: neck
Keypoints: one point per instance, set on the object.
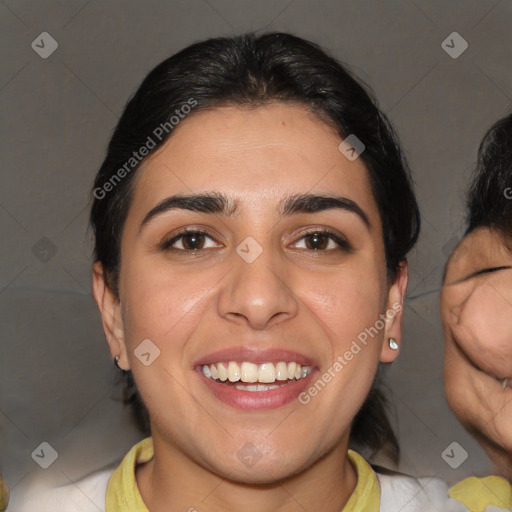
(173, 482)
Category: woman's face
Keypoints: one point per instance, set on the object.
(257, 288)
(476, 307)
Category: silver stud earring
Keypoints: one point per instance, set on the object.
(393, 345)
(116, 363)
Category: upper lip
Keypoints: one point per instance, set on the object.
(256, 355)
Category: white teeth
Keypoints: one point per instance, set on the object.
(281, 371)
(256, 387)
(223, 372)
(267, 373)
(247, 372)
(291, 370)
(233, 372)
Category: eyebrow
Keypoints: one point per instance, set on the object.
(219, 204)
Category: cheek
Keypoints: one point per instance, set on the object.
(461, 387)
(485, 329)
(159, 303)
(456, 374)
(475, 398)
(346, 302)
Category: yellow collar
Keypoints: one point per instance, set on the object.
(478, 493)
(122, 490)
(123, 493)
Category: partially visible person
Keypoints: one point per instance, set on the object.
(4, 494)
(476, 305)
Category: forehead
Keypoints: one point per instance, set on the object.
(256, 155)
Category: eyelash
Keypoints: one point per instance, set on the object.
(489, 270)
(342, 243)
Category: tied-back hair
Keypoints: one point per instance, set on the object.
(252, 71)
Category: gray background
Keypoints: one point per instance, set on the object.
(57, 379)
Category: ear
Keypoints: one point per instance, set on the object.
(110, 309)
(394, 313)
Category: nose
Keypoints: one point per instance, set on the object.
(258, 293)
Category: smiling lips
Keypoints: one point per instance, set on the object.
(251, 378)
(247, 372)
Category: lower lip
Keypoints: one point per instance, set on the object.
(257, 400)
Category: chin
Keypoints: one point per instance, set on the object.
(250, 467)
(270, 474)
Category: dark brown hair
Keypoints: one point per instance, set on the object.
(489, 201)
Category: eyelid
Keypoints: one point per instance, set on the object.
(337, 238)
(488, 270)
(166, 243)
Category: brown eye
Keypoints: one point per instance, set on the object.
(324, 241)
(188, 240)
(317, 241)
(192, 241)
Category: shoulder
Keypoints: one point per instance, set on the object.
(415, 494)
(85, 495)
(476, 494)
(431, 494)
